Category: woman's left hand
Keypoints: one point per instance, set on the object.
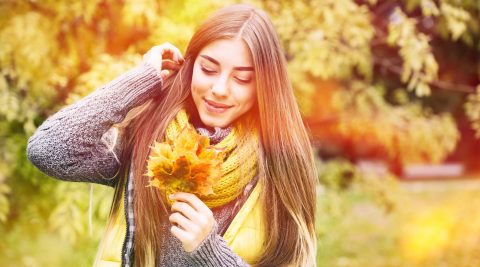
(192, 220)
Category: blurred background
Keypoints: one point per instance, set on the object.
(389, 90)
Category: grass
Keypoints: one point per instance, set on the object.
(432, 223)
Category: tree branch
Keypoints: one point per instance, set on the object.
(437, 83)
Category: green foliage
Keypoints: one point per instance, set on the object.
(456, 19)
(35, 236)
(68, 217)
(25, 77)
(104, 69)
(332, 41)
(360, 213)
(4, 191)
(419, 65)
(339, 178)
(407, 133)
(472, 109)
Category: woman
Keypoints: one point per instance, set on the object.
(231, 86)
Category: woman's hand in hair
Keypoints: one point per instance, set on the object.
(191, 219)
(164, 58)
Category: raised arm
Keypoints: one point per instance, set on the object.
(78, 143)
(69, 144)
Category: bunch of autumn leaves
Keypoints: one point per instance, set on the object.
(186, 164)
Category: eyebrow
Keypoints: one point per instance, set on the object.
(214, 61)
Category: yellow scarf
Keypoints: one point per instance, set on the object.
(239, 166)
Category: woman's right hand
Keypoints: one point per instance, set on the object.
(164, 58)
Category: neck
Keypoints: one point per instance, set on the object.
(216, 134)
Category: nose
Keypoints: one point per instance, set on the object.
(220, 87)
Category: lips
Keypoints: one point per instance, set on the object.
(217, 105)
(214, 107)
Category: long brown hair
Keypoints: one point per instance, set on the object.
(286, 165)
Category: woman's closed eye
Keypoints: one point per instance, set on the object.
(244, 81)
(210, 72)
(207, 71)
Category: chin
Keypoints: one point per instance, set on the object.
(214, 122)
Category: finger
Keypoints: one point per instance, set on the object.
(166, 50)
(193, 200)
(164, 74)
(157, 53)
(186, 210)
(176, 54)
(167, 64)
(183, 222)
(181, 234)
(168, 53)
(180, 57)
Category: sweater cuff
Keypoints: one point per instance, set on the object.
(214, 251)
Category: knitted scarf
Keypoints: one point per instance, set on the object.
(240, 163)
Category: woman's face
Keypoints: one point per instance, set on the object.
(223, 82)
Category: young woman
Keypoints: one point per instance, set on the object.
(232, 86)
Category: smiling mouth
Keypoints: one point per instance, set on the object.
(216, 107)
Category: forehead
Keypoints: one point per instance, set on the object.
(234, 52)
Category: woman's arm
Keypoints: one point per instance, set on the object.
(214, 251)
(69, 144)
(195, 226)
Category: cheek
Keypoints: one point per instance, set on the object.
(200, 83)
(247, 97)
(252, 100)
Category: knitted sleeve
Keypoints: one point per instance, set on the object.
(78, 142)
(214, 251)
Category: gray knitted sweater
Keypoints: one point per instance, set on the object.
(75, 144)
